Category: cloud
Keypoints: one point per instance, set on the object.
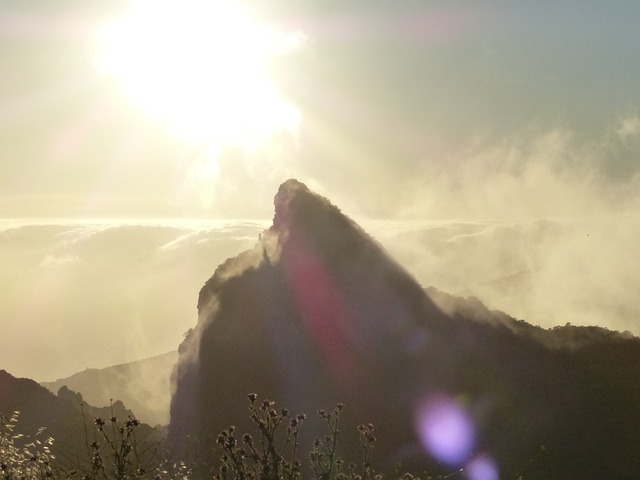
(54, 261)
(628, 127)
(83, 295)
(543, 174)
(546, 226)
(538, 224)
(548, 272)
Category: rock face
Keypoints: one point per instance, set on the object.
(317, 313)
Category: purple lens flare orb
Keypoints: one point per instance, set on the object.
(482, 468)
(447, 433)
(445, 429)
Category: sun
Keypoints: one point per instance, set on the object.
(201, 68)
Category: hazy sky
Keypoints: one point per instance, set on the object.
(511, 129)
(390, 95)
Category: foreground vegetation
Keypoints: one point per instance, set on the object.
(114, 451)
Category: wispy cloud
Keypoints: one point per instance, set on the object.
(628, 127)
(546, 225)
(90, 295)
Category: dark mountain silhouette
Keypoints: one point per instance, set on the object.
(317, 313)
(66, 417)
(142, 385)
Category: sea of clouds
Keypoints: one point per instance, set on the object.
(75, 295)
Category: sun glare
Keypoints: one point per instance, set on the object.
(201, 67)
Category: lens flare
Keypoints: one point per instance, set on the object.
(446, 430)
(323, 310)
(482, 468)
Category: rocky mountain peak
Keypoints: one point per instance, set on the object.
(318, 313)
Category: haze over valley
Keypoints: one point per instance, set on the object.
(105, 293)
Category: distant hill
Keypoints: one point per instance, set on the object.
(318, 313)
(66, 417)
(142, 385)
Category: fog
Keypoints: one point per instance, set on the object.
(78, 295)
(542, 225)
(547, 228)
(85, 294)
(548, 272)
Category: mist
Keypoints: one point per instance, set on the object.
(542, 225)
(547, 223)
(94, 294)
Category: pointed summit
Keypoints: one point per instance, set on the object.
(310, 228)
(288, 200)
(315, 314)
(299, 211)
(297, 206)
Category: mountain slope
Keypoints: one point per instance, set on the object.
(317, 313)
(142, 385)
(66, 417)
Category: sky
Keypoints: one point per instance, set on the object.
(508, 130)
(389, 96)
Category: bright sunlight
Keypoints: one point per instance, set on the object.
(201, 67)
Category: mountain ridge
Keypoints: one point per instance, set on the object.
(318, 313)
(65, 416)
(143, 385)
(566, 336)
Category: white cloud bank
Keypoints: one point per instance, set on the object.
(549, 227)
(548, 272)
(544, 226)
(78, 295)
